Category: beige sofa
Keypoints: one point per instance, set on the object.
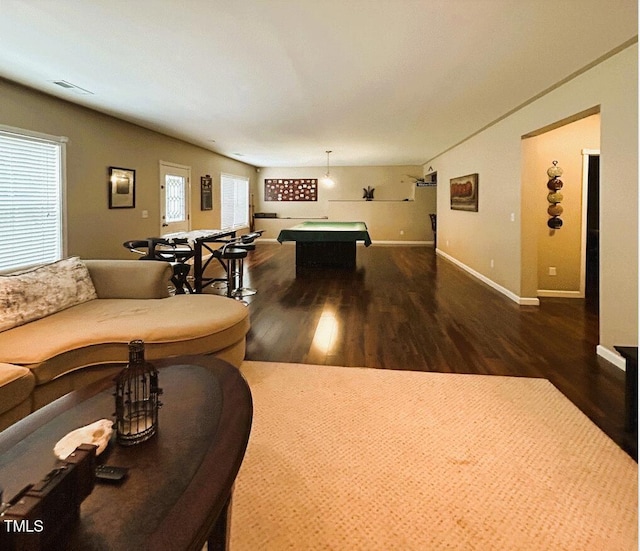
(42, 359)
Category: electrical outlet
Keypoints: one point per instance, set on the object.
(145, 214)
(401, 232)
(492, 262)
(552, 271)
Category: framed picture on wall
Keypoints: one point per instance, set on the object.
(464, 192)
(291, 189)
(206, 193)
(122, 188)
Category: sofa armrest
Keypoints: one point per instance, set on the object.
(130, 278)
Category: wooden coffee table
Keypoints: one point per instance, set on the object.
(178, 490)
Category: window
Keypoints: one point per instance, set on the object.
(31, 213)
(234, 211)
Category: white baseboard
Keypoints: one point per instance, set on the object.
(611, 356)
(410, 243)
(522, 301)
(549, 293)
(528, 301)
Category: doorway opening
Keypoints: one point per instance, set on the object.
(591, 231)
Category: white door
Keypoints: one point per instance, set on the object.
(174, 198)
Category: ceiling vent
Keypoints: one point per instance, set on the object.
(70, 86)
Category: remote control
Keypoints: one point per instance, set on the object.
(108, 473)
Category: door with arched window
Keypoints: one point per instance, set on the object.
(174, 198)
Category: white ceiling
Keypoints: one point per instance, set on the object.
(379, 82)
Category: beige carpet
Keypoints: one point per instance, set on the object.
(367, 459)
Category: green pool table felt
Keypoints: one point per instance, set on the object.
(326, 231)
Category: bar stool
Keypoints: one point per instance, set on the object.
(177, 252)
(241, 290)
(246, 243)
(234, 259)
(174, 255)
(434, 228)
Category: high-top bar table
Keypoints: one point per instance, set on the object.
(201, 241)
(179, 485)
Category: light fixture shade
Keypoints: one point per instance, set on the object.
(327, 180)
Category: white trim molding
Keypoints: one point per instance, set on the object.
(409, 243)
(552, 293)
(33, 134)
(611, 356)
(522, 301)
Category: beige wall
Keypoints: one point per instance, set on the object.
(474, 239)
(97, 141)
(561, 248)
(389, 217)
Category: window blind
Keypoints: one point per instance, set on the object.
(234, 210)
(30, 201)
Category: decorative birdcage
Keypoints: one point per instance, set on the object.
(136, 395)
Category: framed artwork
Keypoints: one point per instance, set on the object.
(206, 193)
(464, 192)
(122, 188)
(291, 189)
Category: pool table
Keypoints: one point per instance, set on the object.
(325, 243)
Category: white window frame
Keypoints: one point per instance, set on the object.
(234, 193)
(13, 255)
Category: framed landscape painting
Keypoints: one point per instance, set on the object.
(464, 192)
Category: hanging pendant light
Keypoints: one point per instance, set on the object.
(327, 177)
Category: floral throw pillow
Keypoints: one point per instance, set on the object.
(36, 293)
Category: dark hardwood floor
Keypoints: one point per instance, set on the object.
(407, 308)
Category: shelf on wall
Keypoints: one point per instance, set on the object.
(262, 218)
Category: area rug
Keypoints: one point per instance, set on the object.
(368, 459)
